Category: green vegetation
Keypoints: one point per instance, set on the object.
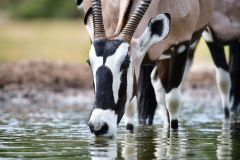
(32, 9)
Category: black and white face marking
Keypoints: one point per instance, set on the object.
(111, 68)
(113, 73)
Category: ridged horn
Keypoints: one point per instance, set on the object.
(98, 27)
(134, 20)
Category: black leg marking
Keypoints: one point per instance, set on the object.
(130, 127)
(177, 66)
(146, 96)
(235, 75)
(218, 56)
(174, 124)
(163, 72)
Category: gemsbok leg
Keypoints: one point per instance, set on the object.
(129, 114)
(161, 68)
(222, 74)
(227, 75)
(146, 98)
(234, 68)
(166, 79)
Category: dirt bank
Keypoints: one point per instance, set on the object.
(58, 76)
(44, 75)
(44, 83)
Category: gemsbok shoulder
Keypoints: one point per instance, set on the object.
(126, 34)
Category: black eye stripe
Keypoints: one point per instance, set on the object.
(104, 93)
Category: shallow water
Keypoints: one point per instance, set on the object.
(62, 133)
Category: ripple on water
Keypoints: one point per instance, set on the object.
(63, 134)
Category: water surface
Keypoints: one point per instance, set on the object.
(61, 133)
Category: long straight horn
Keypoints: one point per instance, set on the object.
(99, 32)
(135, 19)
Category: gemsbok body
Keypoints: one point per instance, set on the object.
(126, 34)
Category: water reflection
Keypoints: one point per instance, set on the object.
(103, 148)
(64, 134)
(145, 141)
(129, 151)
(235, 135)
(170, 144)
(224, 146)
(155, 142)
(229, 141)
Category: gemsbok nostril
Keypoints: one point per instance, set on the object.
(98, 129)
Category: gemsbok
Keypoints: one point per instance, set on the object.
(126, 34)
(224, 29)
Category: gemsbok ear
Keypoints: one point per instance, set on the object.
(79, 4)
(158, 29)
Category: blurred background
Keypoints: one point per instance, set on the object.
(42, 29)
(44, 44)
(49, 30)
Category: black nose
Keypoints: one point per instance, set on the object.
(98, 129)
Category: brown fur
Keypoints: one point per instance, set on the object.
(225, 22)
(187, 16)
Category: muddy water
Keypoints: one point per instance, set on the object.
(61, 133)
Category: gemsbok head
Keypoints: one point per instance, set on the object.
(114, 62)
